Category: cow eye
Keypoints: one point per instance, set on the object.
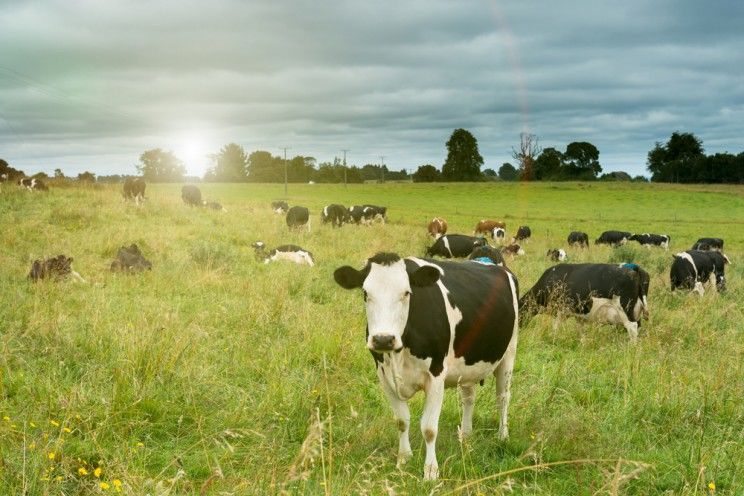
(364, 292)
(406, 294)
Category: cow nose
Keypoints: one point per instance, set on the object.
(383, 342)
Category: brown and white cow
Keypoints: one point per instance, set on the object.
(489, 227)
(437, 227)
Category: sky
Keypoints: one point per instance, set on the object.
(90, 85)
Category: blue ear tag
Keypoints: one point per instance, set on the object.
(483, 260)
(630, 266)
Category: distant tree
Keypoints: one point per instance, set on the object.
(8, 173)
(427, 174)
(230, 165)
(507, 172)
(113, 178)
(490, 173)
(549, 166)
(582, 160)
(525, 154)
(301, 169)
(463, 161)
(41, 175)
(265, 168)
(58, 174)
(86, 177)
(674, 161)
(161, 166)
(640, 179)
(616, 176)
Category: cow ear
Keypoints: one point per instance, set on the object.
(424, 276)
(348, 277)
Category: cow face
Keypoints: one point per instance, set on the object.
(387, 287)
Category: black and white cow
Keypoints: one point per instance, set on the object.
(213, 205)
(55, 268)
(578, 238)
(649, 240)
(693, 268)
(33, 184)
(513, 249)
(487, 253)
(373, 212)
(191, 195)
(523, 234)
(290, 253)
(134, 189)
(708, 244)
(455, 246)
(556, 254)
(335, 214)
(298, 217)
(433, 325)
(614, 238)
(279, 206)
(610, 293)
(130, 259)
(356, 212)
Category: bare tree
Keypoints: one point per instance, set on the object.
(525, 155)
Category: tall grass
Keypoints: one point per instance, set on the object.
(214, 374)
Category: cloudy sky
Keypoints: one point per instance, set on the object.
(89, 85)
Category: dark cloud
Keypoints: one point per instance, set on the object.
(90, 85)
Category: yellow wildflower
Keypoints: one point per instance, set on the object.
(712, 486)
(140, 445)
(104, 486)
(117, 484)
(51, 455)
(6, 418)
(32, 446)
(32, 424)
(58, 478)
(97, 471)
(82, 471)
(67, 429)
(54, 423)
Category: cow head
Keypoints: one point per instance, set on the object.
(387, 286)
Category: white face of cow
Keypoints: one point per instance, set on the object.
(387, 292)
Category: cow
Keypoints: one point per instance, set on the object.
(578, 238)
(437, 227)
(614, 238)
(454, 246)
(487, 226)
(279, 206)
(335, 214)
(134, 189)
(371, 213)
(32, 184)
(513, 250)
(708, 244)
(523, 234)
(433, 325)
(693, 268)
(130, 259)
(487, 254)
(649, 240)
(498, 234)
(356, 212)
(610, 293)
(56, 268)
(191, 196)
(556, 254)
(213, 205)
(291, 253)
(298, 217)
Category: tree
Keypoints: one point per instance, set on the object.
(40, 175)
(8, 173)
(529, 148)
(463, 160)
(427, 174)
(507, 172)
(548, 166)
(230, 165)
(673, 161)
(161, 166)
(58, 174)
(490, 173)
(86, 177)
(582, 160)
(264, 168)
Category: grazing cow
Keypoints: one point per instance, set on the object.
(134, 189)
(279, 206)
(708, 244)
(33, 184)
(578, 238)
(130, 259)
(614, 238)
(433, 325)
(487, 254)
(335, 214)
(615, 294)
(523, 234)
(58, 267)
(371, 213)
(649, 240)
(291, 253)
(499, 234)
(693, 268)
(487, 226)
(454, 245)
(298, 217)
(437, 227)
(356, 212)
(513, 250)
(213, 205)
(191, 196)
(556, 254)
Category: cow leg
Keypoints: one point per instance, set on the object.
(503, 375)
(467, 397)
(699, 288)
(402, 415)
(430, 424)
(77, 276)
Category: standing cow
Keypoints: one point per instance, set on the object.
(649, 240)
(191, 196)
(454, 246)
(134, 189)
(708, 244)
(298, 217)
(489, 227)
(693, 268)
(433, 325)
(335, 214)
(524, 233)
(437, 227)
(578, 238)
(613, 238)
(33, 184)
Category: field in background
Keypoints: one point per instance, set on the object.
(214, 374)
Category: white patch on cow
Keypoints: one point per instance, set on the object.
(561, 254)
(388, 298)
(499, 234)
(77, 277)
(299, 257)
(505, 367)
(325, 212)
(686, 256)
(447, 245)
(610, 311)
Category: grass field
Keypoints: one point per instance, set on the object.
(213, 374)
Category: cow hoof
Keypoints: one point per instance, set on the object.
(431, 472)
(503, 432)
(403, 458)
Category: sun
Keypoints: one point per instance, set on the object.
(195, 156)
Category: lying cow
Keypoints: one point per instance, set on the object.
(33, 184)
(524, 233)
(488, 227)
(437, 227)
(556, 254)
(708, 244)
(134, 189)
(58, 267)
(130, 259)
(692, 269)
(291, 253)
(191, 196)
(578, 238)
(335, 214)
(454, 246)
(213, 205)
(279, 206)
(487, 254)
(433, 325)
(614, 238)
(298, 217)
(614, 294)
(649, 240)
(513, 250)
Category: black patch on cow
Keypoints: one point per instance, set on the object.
(297, 216)
(460, 245)
(56, 267)
(578, 238)
(383, 258)
(706, 244)
(682, 273)
(130, 259)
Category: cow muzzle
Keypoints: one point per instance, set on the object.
(382, 342)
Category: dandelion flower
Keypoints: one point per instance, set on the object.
(51, 455)
(104, 486)
(140, 445)
(59, 478)
(54, 423)
(67, 429)
(97, 471)
(712, 486)
(117, 483)
(82, 471)
(6, 418)
(32, 424)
